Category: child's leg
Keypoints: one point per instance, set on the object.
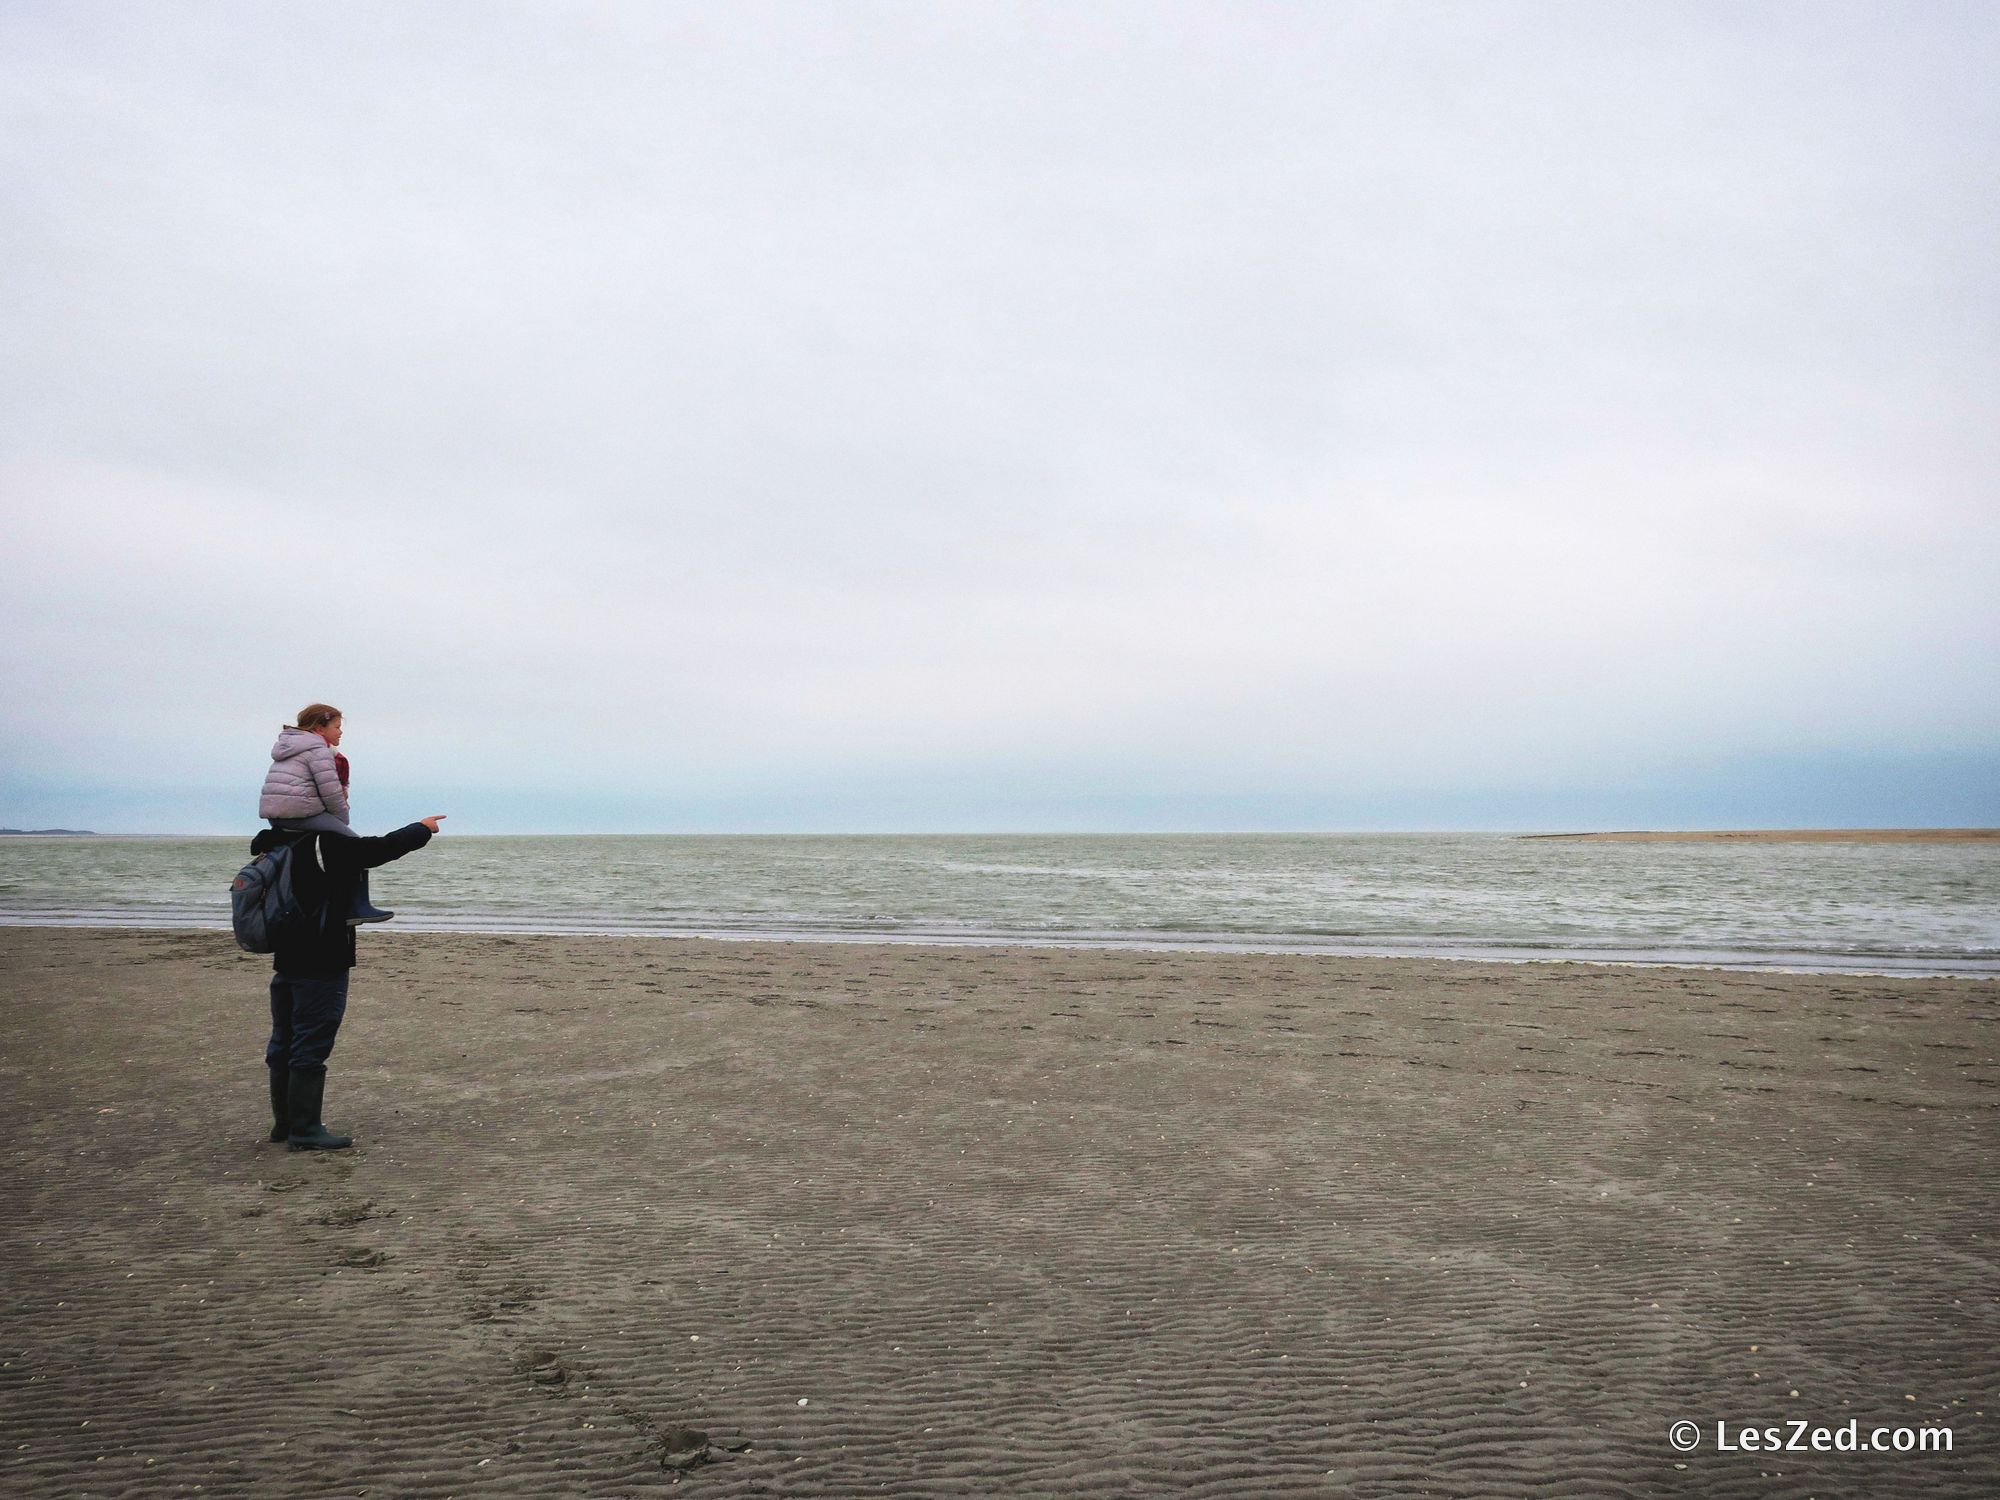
(325, 822)
(359, 908)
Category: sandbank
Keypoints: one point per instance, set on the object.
(1786, 836)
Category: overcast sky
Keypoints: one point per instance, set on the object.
(646, 417)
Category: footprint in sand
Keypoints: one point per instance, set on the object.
(543, 1367)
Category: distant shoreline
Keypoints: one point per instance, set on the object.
(1617, 836)
(1787, 836)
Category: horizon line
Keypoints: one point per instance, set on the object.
(1915, 831)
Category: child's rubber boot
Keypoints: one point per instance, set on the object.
(361, 909)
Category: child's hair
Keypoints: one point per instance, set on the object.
(317, 715)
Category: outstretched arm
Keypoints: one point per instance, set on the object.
(367, 853)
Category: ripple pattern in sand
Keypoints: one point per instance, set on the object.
(745, 1220)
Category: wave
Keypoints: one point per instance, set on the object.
(1857, 958)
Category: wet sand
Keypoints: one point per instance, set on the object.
(737, 1219)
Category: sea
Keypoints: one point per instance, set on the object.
(1931, 909)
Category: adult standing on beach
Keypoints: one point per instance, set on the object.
(309, 972)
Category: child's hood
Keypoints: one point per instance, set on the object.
(294, 741)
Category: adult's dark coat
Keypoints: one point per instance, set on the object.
(324, 870)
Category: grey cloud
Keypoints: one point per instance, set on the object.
(1280, 394)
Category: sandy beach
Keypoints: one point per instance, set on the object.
(634, 1215)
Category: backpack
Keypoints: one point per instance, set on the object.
(264, 905)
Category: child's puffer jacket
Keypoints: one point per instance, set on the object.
(302, 781)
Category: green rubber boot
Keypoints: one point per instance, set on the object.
(281, 1118)
(306, 1093)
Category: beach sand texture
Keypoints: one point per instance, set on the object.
(825, 1219)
